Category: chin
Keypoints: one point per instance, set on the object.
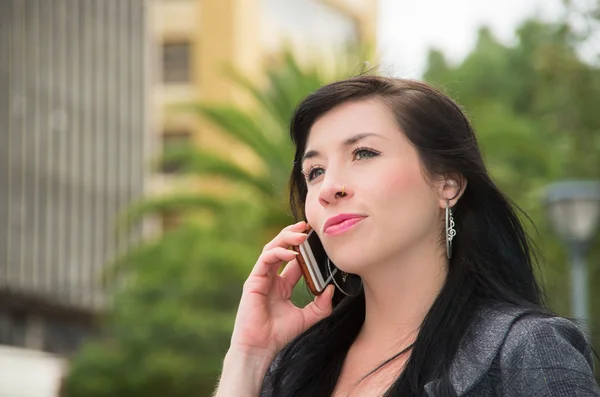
(349, 263)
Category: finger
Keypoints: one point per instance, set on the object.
(320, 308)
(270, 259)
(284, 239)
(298, 226)
(292, 273)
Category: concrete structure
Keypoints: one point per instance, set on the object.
(74, 144)
(30, 373)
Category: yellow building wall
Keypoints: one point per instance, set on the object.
(220, 32)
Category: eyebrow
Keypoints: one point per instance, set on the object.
(347, 142)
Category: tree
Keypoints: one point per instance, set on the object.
(534, 107)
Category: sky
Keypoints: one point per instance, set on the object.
(408, 28)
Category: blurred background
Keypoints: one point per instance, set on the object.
(144, 158)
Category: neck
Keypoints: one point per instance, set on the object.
(398, 295)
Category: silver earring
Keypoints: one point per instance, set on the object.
(344, 276)
(450, 231)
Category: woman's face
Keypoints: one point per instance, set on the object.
(389, 206)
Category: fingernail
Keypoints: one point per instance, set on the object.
(293, 252)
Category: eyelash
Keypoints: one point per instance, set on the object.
(373, 153)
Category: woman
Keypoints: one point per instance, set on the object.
(449, 305)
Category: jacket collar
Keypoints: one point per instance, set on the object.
(479, 346)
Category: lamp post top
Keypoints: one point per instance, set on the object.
(574, 211)
(573, 190)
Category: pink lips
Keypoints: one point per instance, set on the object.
(340, 223)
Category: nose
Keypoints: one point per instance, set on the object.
(333, 192)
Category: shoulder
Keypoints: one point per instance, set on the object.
(544, 337)
(516, 351)
(548, 356)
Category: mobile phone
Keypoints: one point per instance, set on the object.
(313, 261)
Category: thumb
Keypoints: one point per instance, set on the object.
(319, 308)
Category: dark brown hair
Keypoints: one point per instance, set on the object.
(491, 260)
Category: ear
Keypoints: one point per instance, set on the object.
(451, 188)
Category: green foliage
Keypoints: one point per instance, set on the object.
(169, 328)
(533, 107)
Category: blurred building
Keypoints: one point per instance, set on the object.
(74, 142)
(199, 37)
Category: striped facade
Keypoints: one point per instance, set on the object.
(74, 144)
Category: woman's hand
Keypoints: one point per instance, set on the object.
(267, 320)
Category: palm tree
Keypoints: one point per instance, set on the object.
(170, 324)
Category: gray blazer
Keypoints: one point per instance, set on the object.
(508, 353)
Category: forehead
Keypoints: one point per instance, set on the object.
(351, 118)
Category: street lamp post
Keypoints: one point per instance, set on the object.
(574, 211)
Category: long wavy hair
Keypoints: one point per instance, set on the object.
(492, 256)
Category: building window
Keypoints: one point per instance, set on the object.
(64, 338)
(13, 326)
(172, 142)
(177, 62)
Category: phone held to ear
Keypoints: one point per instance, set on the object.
(313, 261)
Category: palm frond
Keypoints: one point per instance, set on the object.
(172, 203)
(204, 162)
(250, 130)
(270, 105)
(288, 84)
(236, 123)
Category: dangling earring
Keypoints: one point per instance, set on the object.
(344, 277)
(450, 231)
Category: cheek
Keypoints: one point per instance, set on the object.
(404, 183)
(407, 196)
